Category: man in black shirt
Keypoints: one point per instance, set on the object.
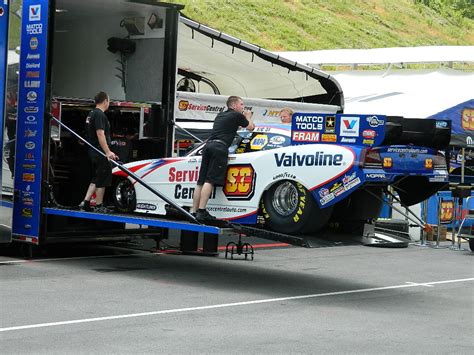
(98, 134)
(215, 153)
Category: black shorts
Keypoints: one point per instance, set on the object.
(101, 170)
(214, 164)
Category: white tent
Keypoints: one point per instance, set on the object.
(394, 91)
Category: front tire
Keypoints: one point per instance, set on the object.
(124, 196)
(289, 208)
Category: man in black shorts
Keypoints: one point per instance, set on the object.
(98, 134)
(214, 157)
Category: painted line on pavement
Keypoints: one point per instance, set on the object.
(61, 259)
(228, 305)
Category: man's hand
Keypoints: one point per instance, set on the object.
(111, 155)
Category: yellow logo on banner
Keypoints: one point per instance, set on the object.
(447, 211)
(468, 119)
(258, 142)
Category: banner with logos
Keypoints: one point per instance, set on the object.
(194, 106)
(30, 121)
(3, 66)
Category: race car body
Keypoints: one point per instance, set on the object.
(289, 179)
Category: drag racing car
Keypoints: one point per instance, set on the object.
(297, 178)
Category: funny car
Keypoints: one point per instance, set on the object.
(296, 178)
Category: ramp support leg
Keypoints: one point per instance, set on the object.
(189, 241)
(209, 244)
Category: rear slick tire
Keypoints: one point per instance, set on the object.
(289, 208)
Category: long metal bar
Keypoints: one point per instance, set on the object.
(185, 213)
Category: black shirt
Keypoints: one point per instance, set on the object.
(226, 125)
(97, 120)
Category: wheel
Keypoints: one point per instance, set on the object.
(471, 244)
(124, 196)
(289, 208)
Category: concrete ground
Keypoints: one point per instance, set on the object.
(349, 299)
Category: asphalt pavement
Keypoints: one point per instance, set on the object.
(348, 299)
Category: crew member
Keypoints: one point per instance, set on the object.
(214, 157)
(98, 134)
(285, 115)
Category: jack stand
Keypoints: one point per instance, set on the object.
(239, 248)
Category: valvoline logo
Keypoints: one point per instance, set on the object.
(349, 127)
(35, 13)
(350, 124)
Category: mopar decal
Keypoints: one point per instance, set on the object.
(316, 159)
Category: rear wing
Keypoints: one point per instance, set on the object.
(369, 130)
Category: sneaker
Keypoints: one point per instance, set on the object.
(101, 209)
(204, 216)
(85, 206)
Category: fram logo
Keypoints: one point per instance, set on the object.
(35, 13)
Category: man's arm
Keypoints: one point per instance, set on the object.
(248, 116)
(104, 146)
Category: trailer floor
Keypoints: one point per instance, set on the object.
(350, 299)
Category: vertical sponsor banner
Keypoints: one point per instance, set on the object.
(4, 14)
(31, 106)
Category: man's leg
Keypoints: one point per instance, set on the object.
(99, 195)
(205, 195)
(196, 197)
(90, 192)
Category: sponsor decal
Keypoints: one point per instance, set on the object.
(305, 136)
(240, 182)
(368, 141)
(27, 212)
(33, 74)
(328, 138)
(175, 175)
(349, 127)
(33, 65)
(327, 198)
(31, 96)
(348, 140)
(260, 129)
(316, 159)
(314, 123)
(467, 121)
(146, 206)
(34, 28)
(34, 84)
(441, 124)
(330, 124)
(28, 177)
(31, 119)
(284, 175)
(2, 11)
(277, 140)
(323, 192)
(335, 186)
(27, 201)
(447, 211)
(348, 178)
(29, 166)
(29, 156)
(376, 176)
(32, 56)
(369, 133)
(31, 109)
(469, 141)
(259, 142)
(374, 121)
(183, 105)
(185, 193)
(33, 43)
(34, 13)
(245, 141)
(30, 145)
(407, 150)
(351, 184)
(27, 226)
(438, 178)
